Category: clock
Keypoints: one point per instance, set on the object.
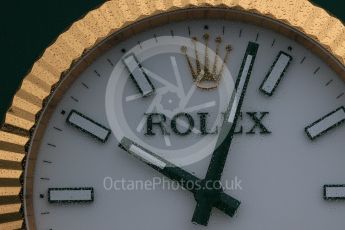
(181, 115)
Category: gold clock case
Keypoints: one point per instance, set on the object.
(102, 28)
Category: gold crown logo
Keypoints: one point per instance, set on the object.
(204, 75)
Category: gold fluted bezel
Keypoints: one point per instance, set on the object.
(112, 22)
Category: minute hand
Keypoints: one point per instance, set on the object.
(214, 173)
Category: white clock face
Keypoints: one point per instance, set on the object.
(285, 162)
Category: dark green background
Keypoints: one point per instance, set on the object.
(28, 27)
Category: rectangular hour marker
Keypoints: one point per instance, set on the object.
(70, 195)
(326, 123)
(142, 153)
(87, 125)
(334, 192)
(138, 75)
(275, 73)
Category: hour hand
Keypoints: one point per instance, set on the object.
(158, 163)
(223, 202)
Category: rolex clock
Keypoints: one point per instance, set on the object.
(181, 115)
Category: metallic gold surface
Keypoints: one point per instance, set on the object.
(12, 225)
(209, 75)
(111, 17)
